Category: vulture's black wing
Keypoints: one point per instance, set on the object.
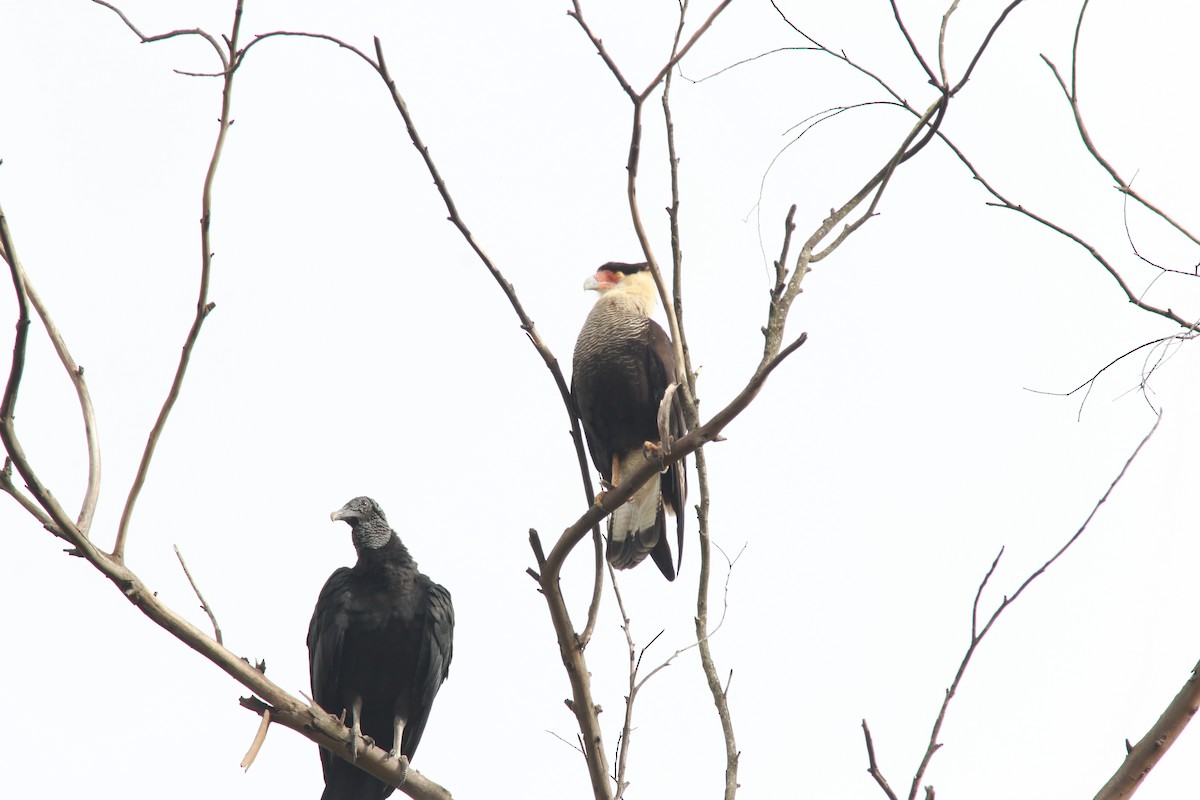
(433, 662)
(326, 636)
(660, 370)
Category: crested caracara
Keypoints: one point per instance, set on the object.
(623, 364)
(379, 647)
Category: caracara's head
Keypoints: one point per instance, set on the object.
(633, 280)
(368, 524)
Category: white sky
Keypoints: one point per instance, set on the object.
(359, 347)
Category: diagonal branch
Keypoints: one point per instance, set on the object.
(1144, 755)
(203, 603)
(916, 51)
(1003, 202)
(978, 634)
(684, 446)
(1072, 95)
(310, 721)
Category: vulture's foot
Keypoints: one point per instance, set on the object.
(395, 753)
(352, 744)
(651, 449)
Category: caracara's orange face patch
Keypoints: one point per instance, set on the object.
(607, 278)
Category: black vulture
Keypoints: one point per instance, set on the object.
(379, 647)
(623, 364)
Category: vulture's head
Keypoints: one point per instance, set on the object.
(632, 280)
(367, 521)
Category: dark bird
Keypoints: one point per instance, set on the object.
(623, 364)
(379, 647)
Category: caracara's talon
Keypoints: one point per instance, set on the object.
(650, 449)
(600, 497)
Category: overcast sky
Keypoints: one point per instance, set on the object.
(358, 347)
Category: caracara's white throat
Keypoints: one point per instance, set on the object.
(635, 290)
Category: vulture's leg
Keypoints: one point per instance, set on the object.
(616, 471)
(399, 731)
(355, 729)
(395, 751)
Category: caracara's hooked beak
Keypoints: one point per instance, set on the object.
(603, 280)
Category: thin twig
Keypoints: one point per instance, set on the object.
(158, 37)
(912, 45)
(203, 603)
(622, 754)
(942, 43)
(259, 737)
(593, 612)
(873, 765)
(977, 638)
(1005, 203)
(203, 306)
(1122, 185)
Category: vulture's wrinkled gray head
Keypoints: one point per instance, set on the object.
(367, 522)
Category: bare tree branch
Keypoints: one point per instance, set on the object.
(1003, 202)
(913, 45)
(978, 634)
(1144, 755)
(203, 603)
(942, 42)
(315, 724)
(158, 37)
(203, 306)
(260, 736)
(873, 766)
(75, 373)
(1072, 96)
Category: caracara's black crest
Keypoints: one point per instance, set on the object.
(628, 269)
(379, 647)
(623, 364)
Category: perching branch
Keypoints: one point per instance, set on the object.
(311, 722)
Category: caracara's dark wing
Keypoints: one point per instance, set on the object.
(326, 639)
(433, 663)
(660, 371)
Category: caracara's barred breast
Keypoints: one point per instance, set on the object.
(610, 377)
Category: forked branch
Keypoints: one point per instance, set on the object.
(978, 634)
(203, 306)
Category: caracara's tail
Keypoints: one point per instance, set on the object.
(639, 528)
